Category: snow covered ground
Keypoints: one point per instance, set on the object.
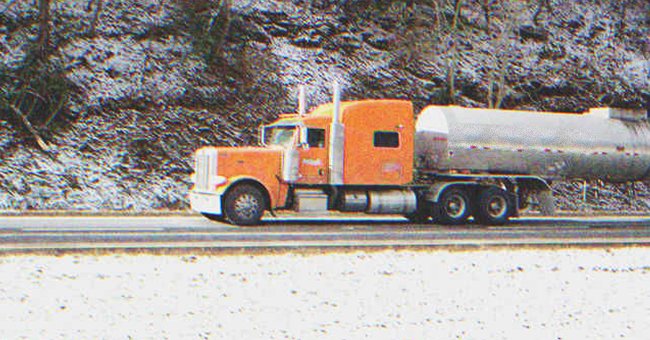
(486, 294)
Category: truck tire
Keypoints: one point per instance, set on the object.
(244, 205)
(493, 206)
(453, 206)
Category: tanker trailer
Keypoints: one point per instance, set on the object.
(608, 144)
(530, 148)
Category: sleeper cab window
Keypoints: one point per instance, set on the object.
(316, 138)
(386, 139)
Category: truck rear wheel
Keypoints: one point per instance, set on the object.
(493, 206)
(454, 206)
(244, 205)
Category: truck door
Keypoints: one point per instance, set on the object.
(313, 158)
(388, 157)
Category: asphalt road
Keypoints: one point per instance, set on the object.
(39, 232)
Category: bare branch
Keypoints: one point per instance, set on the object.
(11, 3)
(541, 5)
(39, 140)
(56, 112)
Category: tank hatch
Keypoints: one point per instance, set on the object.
(633, 115)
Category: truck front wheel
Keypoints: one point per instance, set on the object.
(244, 205)
(493, 206)
(453, 206)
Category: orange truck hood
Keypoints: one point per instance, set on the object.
(261, 163)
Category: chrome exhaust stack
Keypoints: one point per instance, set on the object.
(336, 116)
(302, 107)
(336, 140)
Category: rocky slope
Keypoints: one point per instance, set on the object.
(134, 87)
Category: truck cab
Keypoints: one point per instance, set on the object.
(329, 159)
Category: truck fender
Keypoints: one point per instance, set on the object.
(435, 190)
(236, 180)
(533, 182)
(539, 187)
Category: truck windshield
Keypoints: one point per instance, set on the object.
(279, 135)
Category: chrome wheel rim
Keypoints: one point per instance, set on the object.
(246, 206)
(455, 206)
(496, 206)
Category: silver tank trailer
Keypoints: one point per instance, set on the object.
(607, 144)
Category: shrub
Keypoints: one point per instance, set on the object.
(34, 97)
(208, 23)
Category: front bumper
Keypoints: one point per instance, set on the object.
(206, 202)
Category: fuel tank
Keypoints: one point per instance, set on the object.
(608, 144)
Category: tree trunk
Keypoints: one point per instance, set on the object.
(44, 26)
(98, 10)
(218, 27)
(451, 69)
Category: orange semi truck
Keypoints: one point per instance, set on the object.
(448, 165)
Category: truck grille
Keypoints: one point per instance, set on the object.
(205, 169)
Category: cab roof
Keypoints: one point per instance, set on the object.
(325, 111)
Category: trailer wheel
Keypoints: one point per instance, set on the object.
(244, 205)
(453, 206)
(493, 207)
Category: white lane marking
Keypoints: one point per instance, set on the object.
(329, 244)
(142, 233)
(269, 232)
(605, 218)
(74, 230)
(39, 224)
(228, 235)
(102, 222)
(515, 228)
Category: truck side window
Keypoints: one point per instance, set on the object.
(316, 138)
(386, 139)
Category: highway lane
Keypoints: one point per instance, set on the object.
(40, 232)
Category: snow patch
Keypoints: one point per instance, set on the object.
(124, 69)
(524, 294)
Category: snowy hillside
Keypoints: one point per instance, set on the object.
(121, 92)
